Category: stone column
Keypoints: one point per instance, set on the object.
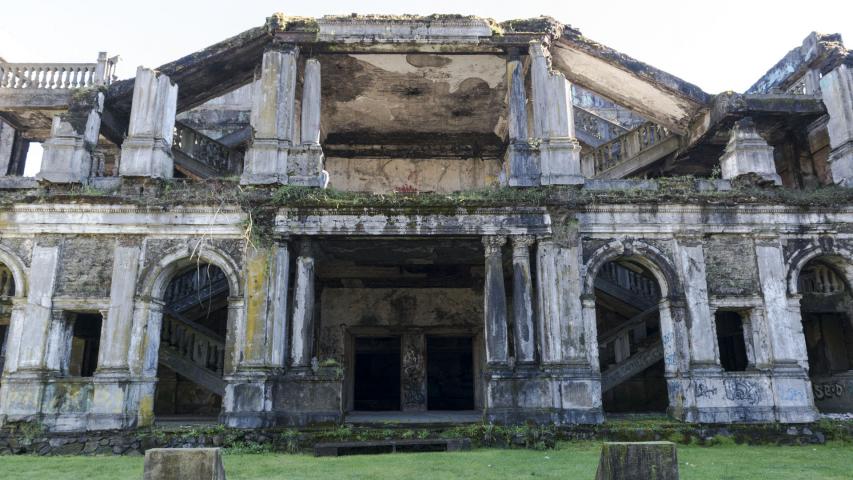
(33, 342)
(261, 338)
(495, 303)
(7, 144)
(748, 153)
(147, 150)
(786, 332)
(553, 121)
(68, 152)
(311, 103)
(690, 257)
(591, 330)
(549, 313)
(414, 379)
(303, 308)
(521, 166)
(837, 90)
(272, 119)
(118, 321)
(522, 299)
(306, 160)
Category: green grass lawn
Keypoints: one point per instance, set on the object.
(569, 461)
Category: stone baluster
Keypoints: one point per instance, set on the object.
(68, 152)
(748, 153)
(495, 303)
(303, 308)
(553, 121)
(836, 88)
(272, 118)
(522, 299)
(147, 150)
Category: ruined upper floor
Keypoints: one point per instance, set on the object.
(440, 103)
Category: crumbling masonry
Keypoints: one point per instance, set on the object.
(373, 218)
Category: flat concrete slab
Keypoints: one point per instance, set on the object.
(337, 449)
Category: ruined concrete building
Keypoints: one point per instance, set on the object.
(369, 218)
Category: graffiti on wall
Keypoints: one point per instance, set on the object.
(742, 391)
(826, 391)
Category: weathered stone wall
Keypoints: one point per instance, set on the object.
(85, 266)
(384, 175)
(730, 265)
(394, 308)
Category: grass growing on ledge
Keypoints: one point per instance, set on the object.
(570, 460)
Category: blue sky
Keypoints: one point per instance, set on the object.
(720, 45)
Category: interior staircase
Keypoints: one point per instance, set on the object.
(187, 347)
(199, 156)
(634, 350)
(630, 152)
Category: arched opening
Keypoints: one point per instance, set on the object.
(827, 311)
(191, 354)
(631, 353)
(7, 292)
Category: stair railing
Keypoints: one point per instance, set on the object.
(627, 146)
(193, 342)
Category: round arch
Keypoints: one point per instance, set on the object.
(642, 253)
(158, 276)
(16, 266)
(840, 258)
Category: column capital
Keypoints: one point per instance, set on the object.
(522, 242)
(493, 244)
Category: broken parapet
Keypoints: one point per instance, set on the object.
(819, 52)
(837, 91)
(73, 136)
(147, 151)
(638, 461)
(747, 152)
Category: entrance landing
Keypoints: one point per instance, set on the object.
(434, 417)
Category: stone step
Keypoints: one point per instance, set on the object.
(187, 368)
(337, 449)
(636, 363)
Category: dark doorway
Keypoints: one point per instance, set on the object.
(377, 374)
(450, 373)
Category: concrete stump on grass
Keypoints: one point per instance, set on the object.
(183, 464)
(638, 461)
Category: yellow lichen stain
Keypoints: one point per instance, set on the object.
(146, 411)
(255, 294)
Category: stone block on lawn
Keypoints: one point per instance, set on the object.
(638, 461)
(183, 464)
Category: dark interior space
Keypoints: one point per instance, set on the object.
(731, 341)
(629, 338)
(450, 373)
(828, 337)
(84, 345)
(377, 374)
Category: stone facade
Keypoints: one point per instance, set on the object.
(474, 254)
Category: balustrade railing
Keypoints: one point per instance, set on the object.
(58, 76)
(193, 342)
(207, 151)
(627, 146)
(630, 280)
(194, 286)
